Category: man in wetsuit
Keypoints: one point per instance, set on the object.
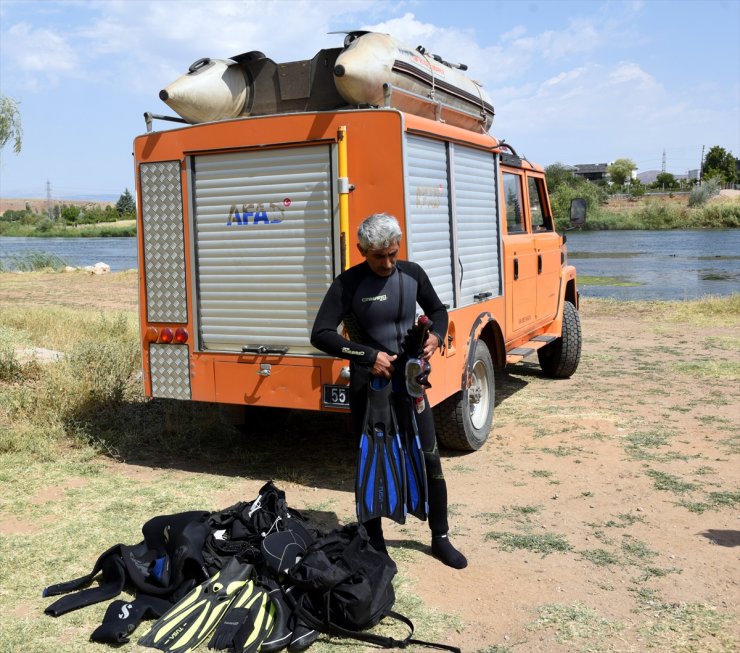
(376, 300)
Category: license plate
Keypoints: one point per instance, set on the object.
(336, 396)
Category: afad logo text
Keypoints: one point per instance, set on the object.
(252, 214)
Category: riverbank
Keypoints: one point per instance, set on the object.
(601, 514)
(661, 214)
(117, 229)
(653, 212)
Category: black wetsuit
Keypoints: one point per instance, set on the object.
(377, 312)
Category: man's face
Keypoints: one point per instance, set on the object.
(382, 261)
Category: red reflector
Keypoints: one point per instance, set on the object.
(181, 335)
(151, 334)
(166, 335)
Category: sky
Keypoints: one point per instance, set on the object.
(571, 82)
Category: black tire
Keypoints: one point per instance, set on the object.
(560, 358)
(464, 420)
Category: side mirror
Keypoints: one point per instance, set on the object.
(578, 207)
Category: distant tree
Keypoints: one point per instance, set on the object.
(621, 170)
(70, 214)
(10, 124)
(637, 188)
(666, 180)
(719, 164)
(126, 204)
(558, 175)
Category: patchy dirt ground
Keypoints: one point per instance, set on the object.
(601, 515)
(78, 289)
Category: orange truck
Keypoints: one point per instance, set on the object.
(243, 223)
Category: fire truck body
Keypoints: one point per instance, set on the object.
(244, 223)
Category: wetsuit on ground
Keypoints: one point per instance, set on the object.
(377, 312)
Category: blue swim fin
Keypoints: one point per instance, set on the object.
(380, 485)
(417, 496)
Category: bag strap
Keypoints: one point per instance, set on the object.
(384, 641)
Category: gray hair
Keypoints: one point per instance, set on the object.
(378, 231)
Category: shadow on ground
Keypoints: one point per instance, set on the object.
(310, 448)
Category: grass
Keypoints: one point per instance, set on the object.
(545, 543)
(590, 280)
(573, 621)
(708, 310)
(32, 261)
(57, 230)
(654, 214)
(670, 483)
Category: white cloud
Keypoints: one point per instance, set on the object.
(39, 50)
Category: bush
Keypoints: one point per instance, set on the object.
(700, 195)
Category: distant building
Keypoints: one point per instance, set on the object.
(591, 171)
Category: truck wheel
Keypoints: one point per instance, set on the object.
(560, 358)
(464, 420)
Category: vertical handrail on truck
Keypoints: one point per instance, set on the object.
(344, 190)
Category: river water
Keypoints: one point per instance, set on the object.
(663, 264)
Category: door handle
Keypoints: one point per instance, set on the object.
(516, 269)
(539, 263)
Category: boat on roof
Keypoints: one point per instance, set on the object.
(370, 70)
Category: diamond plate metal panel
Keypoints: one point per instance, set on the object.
(164, 242)
(169, 370)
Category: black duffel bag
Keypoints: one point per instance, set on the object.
(343, 586)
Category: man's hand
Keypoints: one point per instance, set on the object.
(431, 345)
(383, 365)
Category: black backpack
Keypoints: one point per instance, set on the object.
(344, 587)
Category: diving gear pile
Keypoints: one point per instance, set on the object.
(230, 580)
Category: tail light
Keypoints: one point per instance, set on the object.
(166, 335)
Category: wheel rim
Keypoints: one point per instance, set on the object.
(479, 395)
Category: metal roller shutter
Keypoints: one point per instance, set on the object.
(263, 245)
(476, 219)
(428, 213)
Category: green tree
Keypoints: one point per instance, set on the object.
(10, 124)
(70, 214)
(719, 164)
(620, 171)
(125, 204)
(666, 180)
(558, 175)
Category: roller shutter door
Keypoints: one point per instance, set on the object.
(428, 213)
(477, 224)
(263, 246)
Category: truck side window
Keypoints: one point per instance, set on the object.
(536, 214)
(513, 202)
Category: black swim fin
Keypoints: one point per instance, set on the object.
(193, 619)
(380, 485)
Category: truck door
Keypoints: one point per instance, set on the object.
(546, 247)
(264, 246)
(520, 258)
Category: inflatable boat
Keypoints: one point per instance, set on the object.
(372, 69)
